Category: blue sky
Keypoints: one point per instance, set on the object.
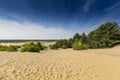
(54, 19)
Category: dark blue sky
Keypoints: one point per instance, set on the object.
(62, 12)
(68, 14)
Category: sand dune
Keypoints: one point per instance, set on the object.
(95, 64)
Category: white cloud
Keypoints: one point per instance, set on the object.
(14, 30)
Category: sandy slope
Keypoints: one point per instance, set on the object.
(99, 64)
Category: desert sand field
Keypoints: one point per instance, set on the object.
(94, 64)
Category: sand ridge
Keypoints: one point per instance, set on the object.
(95, 64)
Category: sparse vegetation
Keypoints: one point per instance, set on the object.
(64, 47)
(53, 47)
(9, 48)
(32, 47)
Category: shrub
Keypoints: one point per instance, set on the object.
(84, 47)
(64, 47)
(53, 47)
(12, 48)
(3, 48)
(69, 43)
(61, 42)
(77, 45)
(31, 47)
(45, 47)
(9, 48)
(40, 46)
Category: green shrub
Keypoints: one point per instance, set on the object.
(77, 45)
(9, 48)
(30, 47)
(3, 48)
(64, 47)
(40, 46)
(12, 48)
(84, 46)
(54, 47)
(45, 47)
(69, 43)
(61, 42)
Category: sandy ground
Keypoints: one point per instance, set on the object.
(95, 64)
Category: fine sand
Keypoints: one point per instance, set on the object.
(94, 64)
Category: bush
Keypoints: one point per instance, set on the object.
(3, 48)
(69, 43)
(61, 42)
(40, 46)
(54, 47)
(45, 47)
(64, 47)
(77, 45)
(12, 48)
(9, 48)
(32, 47)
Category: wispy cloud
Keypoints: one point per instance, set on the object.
(112, 12)
(88, 5)
(14, 30)
(114, 6)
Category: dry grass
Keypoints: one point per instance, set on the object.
(95, 64)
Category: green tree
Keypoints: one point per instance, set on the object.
(77, 36)
(84, 38)
(104, 35)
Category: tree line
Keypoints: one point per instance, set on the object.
(105, 36)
